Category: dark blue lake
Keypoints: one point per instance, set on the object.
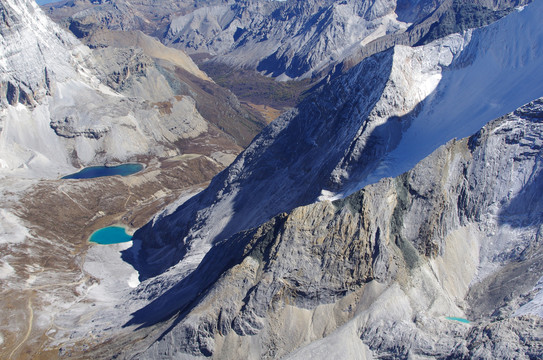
(100, 171)
(110, 235)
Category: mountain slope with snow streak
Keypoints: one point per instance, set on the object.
(495, 74)
(343, 137)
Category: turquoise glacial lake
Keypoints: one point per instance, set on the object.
(100, 171)
(110, 235)
(462, 320)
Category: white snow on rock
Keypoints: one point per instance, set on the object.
(497, 71)
(12, 231)
(6, 270)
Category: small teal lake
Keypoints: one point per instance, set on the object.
(462, 320)
(110, 235)
(100, 171)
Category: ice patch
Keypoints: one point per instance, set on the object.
(134, 281)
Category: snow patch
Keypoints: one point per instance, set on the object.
(134, 281)
(12, 231)
(116, 276)
(327, 195)
(6, 270)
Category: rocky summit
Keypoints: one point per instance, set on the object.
(393, 213)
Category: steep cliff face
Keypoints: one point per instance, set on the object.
(378, 120)
(376, 274)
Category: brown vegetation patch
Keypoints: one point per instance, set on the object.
(221, 108)
(269, 113)
(164, 107)
(61, 215)
(252, 87)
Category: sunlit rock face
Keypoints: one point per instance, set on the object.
(381, 272)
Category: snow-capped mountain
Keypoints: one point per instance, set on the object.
(55, 111)
(243, 274)
(377, 120)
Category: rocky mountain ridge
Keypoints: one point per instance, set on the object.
(376, 274)
(290, 39)
(377, 120)
(239, 280)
